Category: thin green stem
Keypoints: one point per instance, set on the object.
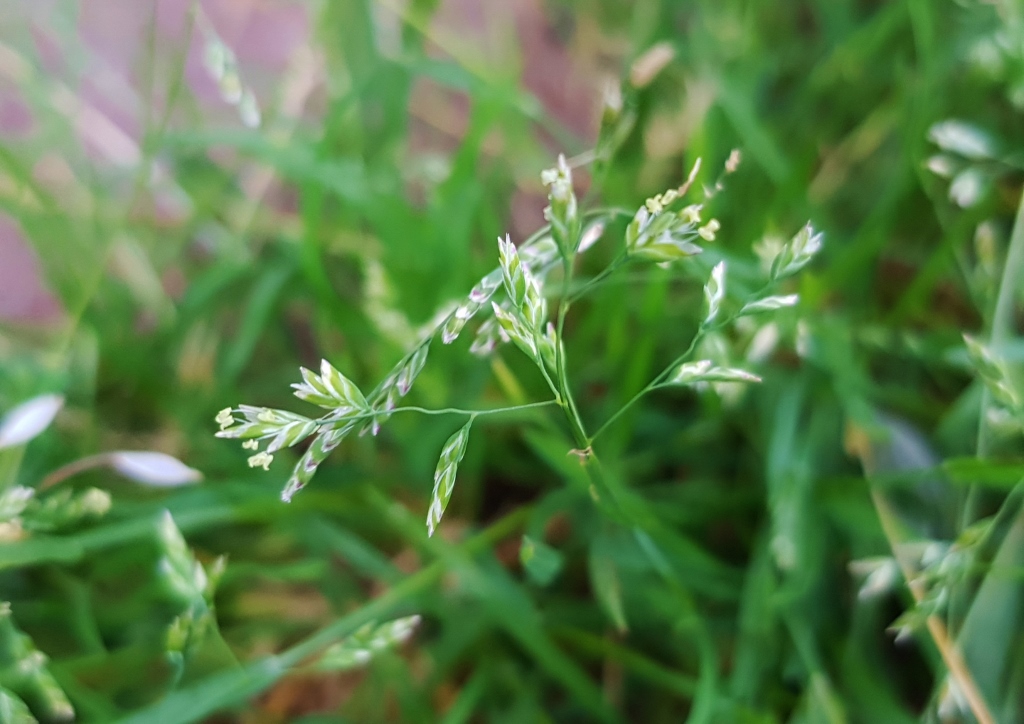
(565, 302)
(622, 410)
(610, 211)
(445, 411)
(654, 383)
(561, 369)
(832, 710)
(74, 468)
(618, 262)
(1002, 317)
(630, 510)
(405, 589)
(471, 693)
(555, 389)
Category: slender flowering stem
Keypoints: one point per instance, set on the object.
(555, 389)
(73, 468)
(594, 281)
(572, 412)
(659, 379)
(656, 382)
(445, 411)
(609, 211)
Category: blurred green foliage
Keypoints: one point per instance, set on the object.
(863, 442)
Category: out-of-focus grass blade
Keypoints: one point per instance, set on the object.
(469, 697)
(24, 670)
(233, 687)
(515, 613)
(212, 694)
(992, 628)
(254, 321)
(72, 548)
(206, 285)
(821, 699)
(356, 552)
(511, 610)
(758, 628)
(739, 107)
(788, 481)
(541, 561)
(604, 580)
(297, 163)
(1004, 475)
(599, 648)
(699, 569)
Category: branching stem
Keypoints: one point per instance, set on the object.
(619, 261)
(660, 378)
(654, 383)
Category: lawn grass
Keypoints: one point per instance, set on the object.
(787, 531)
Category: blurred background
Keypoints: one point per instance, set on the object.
(198, 197)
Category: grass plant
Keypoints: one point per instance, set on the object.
(694, 458)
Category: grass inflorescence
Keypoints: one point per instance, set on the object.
(694, 458)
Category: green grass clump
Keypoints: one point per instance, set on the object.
(726, 469)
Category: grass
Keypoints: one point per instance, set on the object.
(387, 162)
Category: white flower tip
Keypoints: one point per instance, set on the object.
(155, 469)
(29, 419)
